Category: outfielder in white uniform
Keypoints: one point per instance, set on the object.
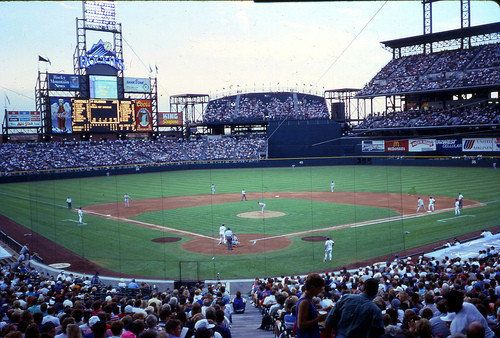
(328, 249)
(222, 237)
(262, 206)
(212, 188)
(80, 215)
(457, 207)
(332, 186)
(420, 204)
(432, 203)
(126, 200)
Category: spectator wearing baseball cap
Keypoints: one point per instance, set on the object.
(49, 329)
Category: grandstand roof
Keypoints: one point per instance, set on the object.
(446, 35)
(189, 95)
(342, 90)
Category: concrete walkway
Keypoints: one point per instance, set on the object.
(246, 324)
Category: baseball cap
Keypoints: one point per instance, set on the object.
(396, 303)
(93, 320)
(129, 309)
(203, 323)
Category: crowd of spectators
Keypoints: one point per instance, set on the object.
(459, 116)
(443, 70)
(422, 297)
(19, 157)
(37, 305)
(264, 107)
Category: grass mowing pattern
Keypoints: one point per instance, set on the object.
(40, 205)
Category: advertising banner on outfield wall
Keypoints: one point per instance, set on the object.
(136, 85)
(169, 119)
(396, 145)
(372, 146)
(451, 145)
(60, 115)
(480, 144)
(143, 115)
(421, 145)
(64, 82)
(22, 119)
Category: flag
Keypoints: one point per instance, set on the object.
(41, 58)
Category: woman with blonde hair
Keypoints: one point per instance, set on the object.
(73, 331)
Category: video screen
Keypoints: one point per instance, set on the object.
(103, 87)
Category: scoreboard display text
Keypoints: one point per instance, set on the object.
(103, 115)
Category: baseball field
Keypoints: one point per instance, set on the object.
(170, 229)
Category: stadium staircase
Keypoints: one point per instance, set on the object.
(247, 324)
(237, 104)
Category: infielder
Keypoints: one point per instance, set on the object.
(457, 207)
(262, 206)
(332, 186)
(68, 202)
(420, 204)
(80, 215)
(432, 203)
(222, 237)
(212, 188)
(328, 249)
(126, 200)
(243, 195)
(460, 200)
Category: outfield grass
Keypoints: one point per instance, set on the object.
(126, 248)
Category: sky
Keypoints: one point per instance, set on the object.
(217, 48)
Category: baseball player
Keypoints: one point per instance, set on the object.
(212, 188)
(68, 202)
(332, 186)
(243, 195)
(222, 238)
(457, 207)
(460, 200)
(80, 215)
(229, 238)
(126, 200)
(432, 203)
(262, 206)
(420, 204)
(328, 249)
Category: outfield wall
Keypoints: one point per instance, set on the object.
(468, 160)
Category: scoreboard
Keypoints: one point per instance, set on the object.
(104, 115)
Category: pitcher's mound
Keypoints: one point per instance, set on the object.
(258, 214)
